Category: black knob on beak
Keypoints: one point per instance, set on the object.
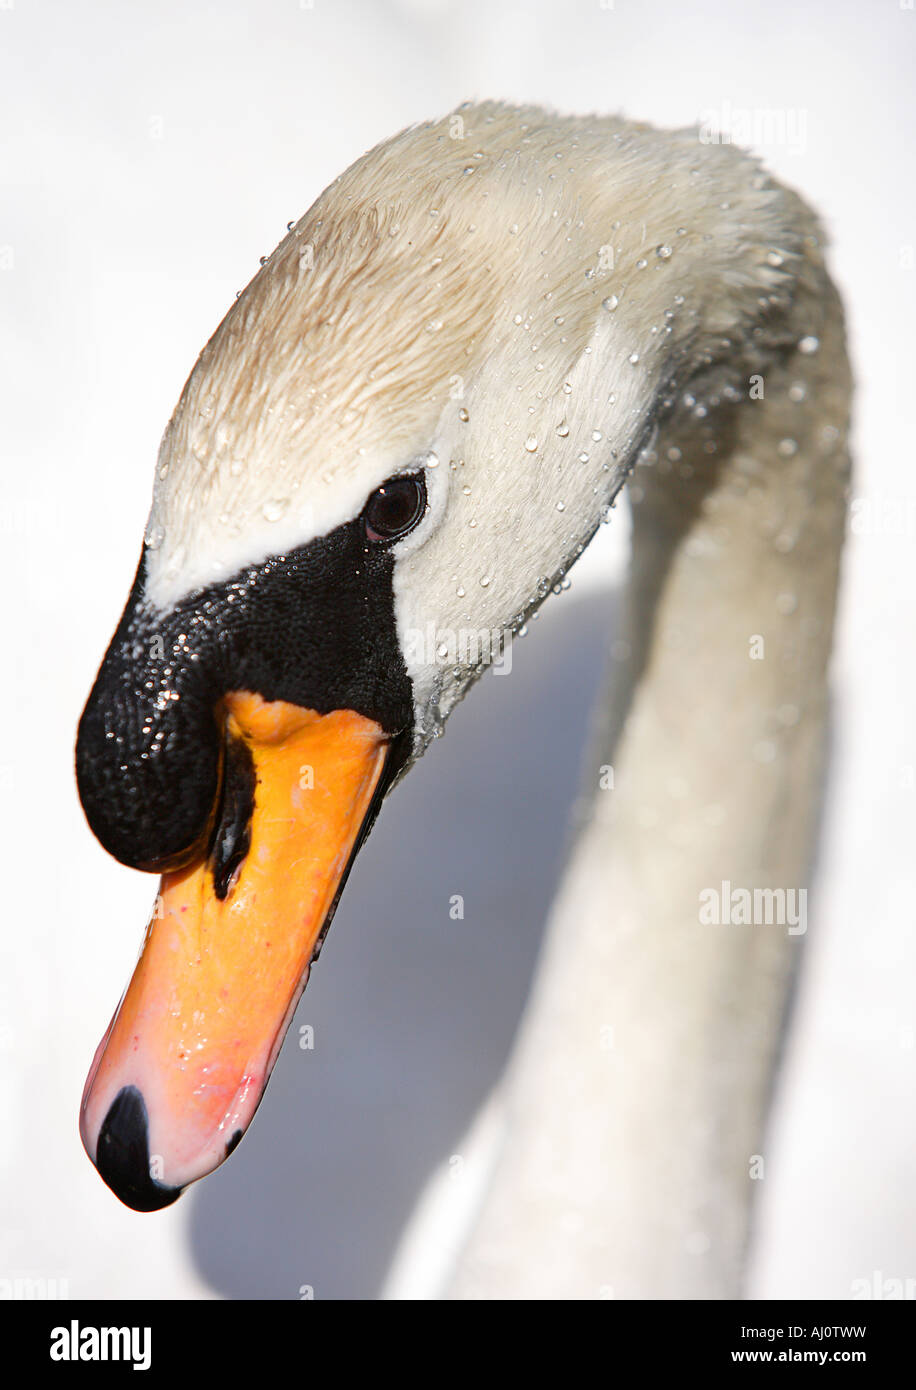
(148, 747)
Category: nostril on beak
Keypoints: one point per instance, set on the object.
(231, 837)
(123, 1158)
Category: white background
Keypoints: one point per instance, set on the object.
(150, 154)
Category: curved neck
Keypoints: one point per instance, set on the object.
(633, 1109)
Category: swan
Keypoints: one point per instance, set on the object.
(404, 432)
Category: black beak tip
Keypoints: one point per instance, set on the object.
(123, 1158)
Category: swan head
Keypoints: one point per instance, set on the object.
(406, 428)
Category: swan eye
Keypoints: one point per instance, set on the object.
(395, 508)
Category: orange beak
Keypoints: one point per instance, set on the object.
(184, 1064)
